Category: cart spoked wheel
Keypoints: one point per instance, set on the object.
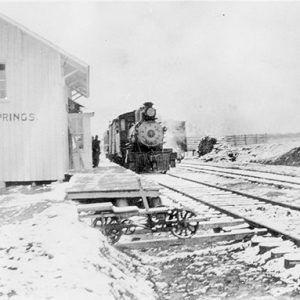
(184, 227)
(111, 227)
(128, 227)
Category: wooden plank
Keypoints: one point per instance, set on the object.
(106, 214)
(208, 238)
(234, 204)
(143, 194)
(109, 178)
(107, 182)
(220, 224)
(281, 251)
(95, 207)
(291, 260)
(110, 181)
(236, 227)
(109, 194)
(125, 210)
(208, 195)
(154, 210)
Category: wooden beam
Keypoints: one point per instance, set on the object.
(79, 90)
(143, 194)
(208, 238)
(111, 194)
(82, 69)
(73, 94)
(291, 260)
(71, 73)
(220, 224)
(95, 207)
(125, 210)
(77, 97)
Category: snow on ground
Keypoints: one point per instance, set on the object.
(273, 266)
(249, 153)
(280, 157)
(231, 270)
(46, 253)
(224, 270)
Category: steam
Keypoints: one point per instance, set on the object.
(175, 136)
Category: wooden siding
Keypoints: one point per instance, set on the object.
(37, 148)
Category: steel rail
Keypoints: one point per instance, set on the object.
(194, 162)
(244, 177)
(295, 207)
(247, 177)
(231, 213)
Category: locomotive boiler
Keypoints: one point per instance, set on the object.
(135, 140)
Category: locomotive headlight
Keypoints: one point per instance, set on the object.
(150, 112)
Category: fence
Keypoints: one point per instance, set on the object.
(246, 139)
(193, 142)
(233, 140)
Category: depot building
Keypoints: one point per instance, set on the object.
(42, 135)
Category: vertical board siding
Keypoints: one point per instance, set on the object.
(32, 150)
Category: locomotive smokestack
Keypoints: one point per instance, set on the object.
(148, 104)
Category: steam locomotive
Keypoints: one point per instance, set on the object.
(135, 140)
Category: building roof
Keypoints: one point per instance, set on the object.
(76, 72)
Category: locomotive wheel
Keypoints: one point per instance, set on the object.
(183, 228)
(111, 227)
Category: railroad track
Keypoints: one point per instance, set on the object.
(279, 218)
(268, 178)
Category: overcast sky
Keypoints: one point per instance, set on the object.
(227, 67)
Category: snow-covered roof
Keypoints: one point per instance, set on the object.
(76, 72)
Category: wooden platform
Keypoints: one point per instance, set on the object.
(197, 239)
(109, 181)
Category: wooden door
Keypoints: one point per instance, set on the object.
(80, 141)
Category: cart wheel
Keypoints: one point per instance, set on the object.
(184, 228)
(130, 227)
(111, 227)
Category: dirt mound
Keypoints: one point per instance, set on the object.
(291, 158)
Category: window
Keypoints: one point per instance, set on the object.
(2, 82)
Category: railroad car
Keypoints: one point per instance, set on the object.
(135, 141)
